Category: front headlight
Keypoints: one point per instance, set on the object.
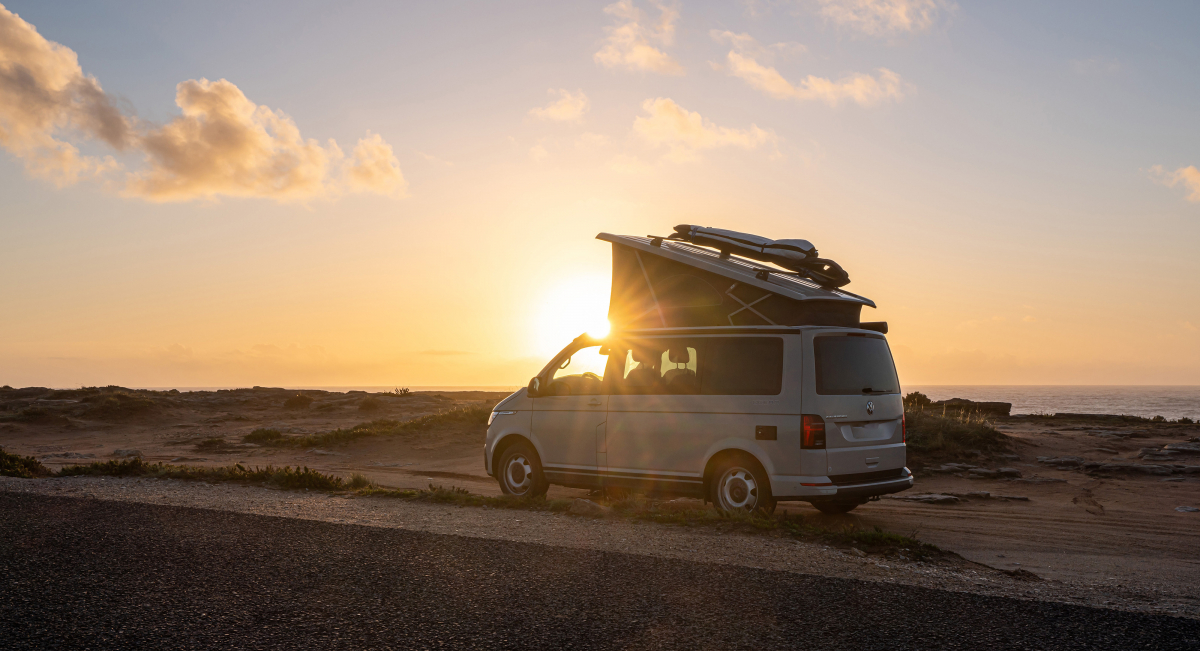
(492, 416)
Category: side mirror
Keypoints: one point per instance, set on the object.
(534, 385)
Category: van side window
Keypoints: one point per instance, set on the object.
(736, 366)
(854, 366)
(581, 374)
(742, 366)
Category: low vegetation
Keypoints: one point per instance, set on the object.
(298, 401)
(935, 436)
(12, 465)
(286, 477)
(213, 444)
(117, 405)
(473, 416)
(371, 404)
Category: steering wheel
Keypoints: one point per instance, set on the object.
(592, 376)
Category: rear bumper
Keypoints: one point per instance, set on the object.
(788, 488)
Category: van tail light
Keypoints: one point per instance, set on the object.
(814, 433)
(903, 430)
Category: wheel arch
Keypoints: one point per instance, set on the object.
(738, 449)
(507, 440)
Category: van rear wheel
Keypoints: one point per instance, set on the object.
(520, 472)
(741, 485)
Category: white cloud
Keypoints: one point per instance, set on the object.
(860, 88)
(633, 43)
(591, 141)
(569, 107)
(686, 133)
(878, 17)
(748, 45)
(1188, 177)
(222, 145)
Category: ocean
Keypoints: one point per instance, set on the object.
(1171, 402)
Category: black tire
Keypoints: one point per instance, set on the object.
(836, 507)
(739, 484)
(520, 471)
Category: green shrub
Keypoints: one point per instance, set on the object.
(1158, 419)
(916, 401)
(1186, 421)
(298, 401)
(12, 465)
(358, 481)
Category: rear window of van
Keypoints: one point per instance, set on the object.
(852, 365)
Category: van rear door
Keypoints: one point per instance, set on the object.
(851, 382)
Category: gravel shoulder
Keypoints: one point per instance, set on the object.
(696, 544)
(86, 573)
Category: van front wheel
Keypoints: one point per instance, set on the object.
(741, 486)
(521, 473)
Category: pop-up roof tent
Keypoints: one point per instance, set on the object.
(693, 279)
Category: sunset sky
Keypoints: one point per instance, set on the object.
(376, 193)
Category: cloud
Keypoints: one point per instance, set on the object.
(591, 141)
(45, 97)
(686, 133)
(568, 108)
(223, 144)
(748, 45)
(631, 43)
(860, 88)
(1188, 177)
(538, 153)
(877, 17)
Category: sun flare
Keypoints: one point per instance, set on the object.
(569, 309)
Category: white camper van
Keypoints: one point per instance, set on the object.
(741, 413)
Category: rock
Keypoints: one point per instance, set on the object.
(1187, 448)
(854, 551)
(589, 508)
(1125, 466)
(1009, 472)
(1039, 480)
(126, 454)
(1188, 470)
(1173, 479)
(1015, 498)
(982, 473)
(1104, 450)
(1009, 457)
(1187, 509)
(929, 498)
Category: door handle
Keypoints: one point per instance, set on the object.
(594, 402)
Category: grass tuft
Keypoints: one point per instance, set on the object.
(358, 481)
(286, 477)
(117, 405)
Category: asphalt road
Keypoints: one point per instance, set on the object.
(80, 573)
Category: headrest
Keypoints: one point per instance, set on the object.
(679, 355)
(646, 356)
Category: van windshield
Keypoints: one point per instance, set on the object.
(854, 366)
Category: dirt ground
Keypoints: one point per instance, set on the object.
(1098, 530)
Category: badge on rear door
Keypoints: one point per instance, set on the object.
(870, 407)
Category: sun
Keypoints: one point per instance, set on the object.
(568, 309)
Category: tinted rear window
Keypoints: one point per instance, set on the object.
(854, 366)
(749, 366)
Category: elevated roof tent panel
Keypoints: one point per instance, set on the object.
(675, 284)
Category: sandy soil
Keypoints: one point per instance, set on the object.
(1106, 536)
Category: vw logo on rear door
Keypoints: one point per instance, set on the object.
(870, 407)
